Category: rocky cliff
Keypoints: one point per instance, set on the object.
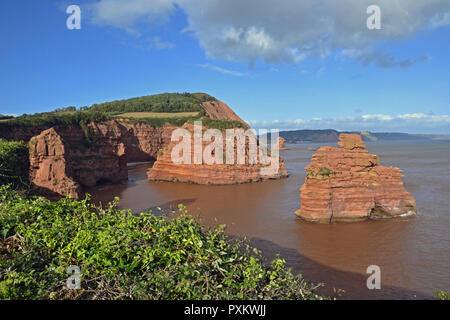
(165, 169)
(349, 184)
(21, 133)
(63, 160)
(66, 159)
(50, 168)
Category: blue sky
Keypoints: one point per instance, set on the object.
(279, 64)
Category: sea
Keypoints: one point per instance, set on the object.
(412, 253)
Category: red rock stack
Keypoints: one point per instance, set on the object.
(349, 184)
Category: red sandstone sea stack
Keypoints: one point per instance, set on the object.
(164, 169)
(349, 184)
(281, 143)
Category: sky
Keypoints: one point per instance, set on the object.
(284, 64)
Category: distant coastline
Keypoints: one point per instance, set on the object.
(331, 135)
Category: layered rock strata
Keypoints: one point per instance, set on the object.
(166, 169)
(66, 159)
(349, 184)
(63, 160)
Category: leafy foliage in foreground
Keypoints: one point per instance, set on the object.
(14, 163)
(123, 256)
(443, 295)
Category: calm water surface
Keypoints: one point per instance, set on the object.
(413, 253)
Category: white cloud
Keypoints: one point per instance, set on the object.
(222, 70)
(288, 30)
(410, 123)
(381, 117)
(126, 14)
(159, 44)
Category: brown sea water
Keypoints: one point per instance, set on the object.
(413, 253)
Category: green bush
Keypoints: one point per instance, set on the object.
(443, 295)
(50, 119)
(4, 117)
(14, 164)
(124, 256)
(322, 172)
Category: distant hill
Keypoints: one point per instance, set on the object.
(5, 117)
(433, 136)
(294, 136)
(330, 135)
(164, 102)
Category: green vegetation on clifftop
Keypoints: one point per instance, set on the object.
(54, 118)
(165, 102)
(156, 110)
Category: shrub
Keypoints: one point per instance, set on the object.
(124, 256)
(14, 164)
(443, 295)
(50, 119)
(324, 171)
(4, 117)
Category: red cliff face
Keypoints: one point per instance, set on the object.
(21, 133)
(165, 169)
(49, 167)
(218, 110)
(140, 140)
(349, 184)
(63, 160)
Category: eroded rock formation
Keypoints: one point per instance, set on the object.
(349, 184)
(165, 169)
(64, 161)
(49, 167)
(281, 143)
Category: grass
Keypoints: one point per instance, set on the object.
(126, 256)
(322, 172)
(140, 115)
